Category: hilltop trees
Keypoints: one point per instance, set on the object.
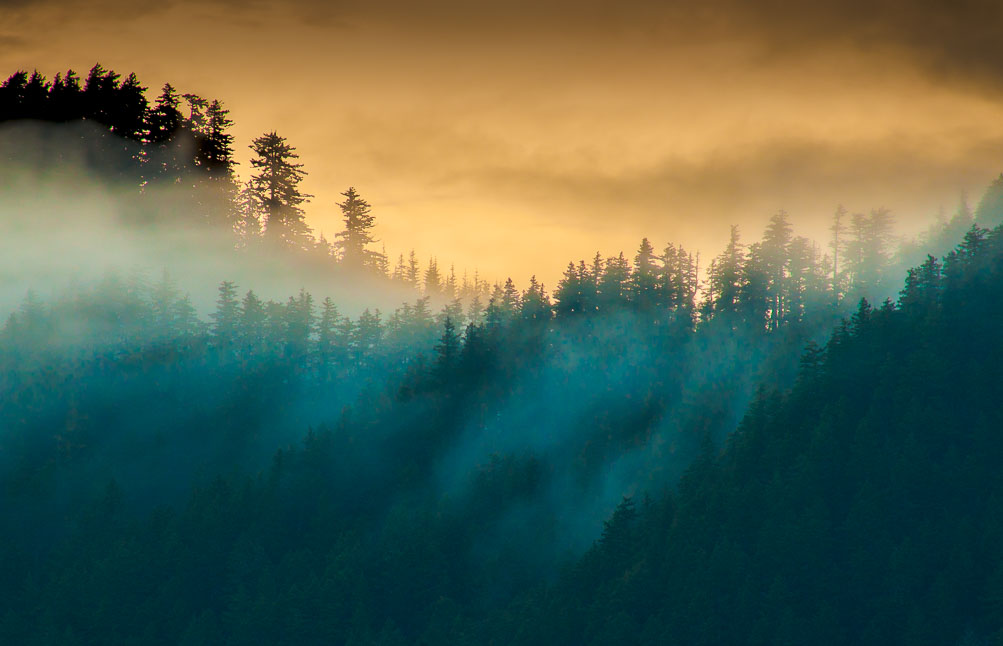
(124, 140)
(178, 153)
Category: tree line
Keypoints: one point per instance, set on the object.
(792, 463)
(840, 509)
(183, 141)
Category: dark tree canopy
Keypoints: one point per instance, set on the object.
(755, 455)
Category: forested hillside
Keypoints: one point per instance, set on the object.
(862, 506)
(746, 452)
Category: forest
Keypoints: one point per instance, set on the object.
(793, 442)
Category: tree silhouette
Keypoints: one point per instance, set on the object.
(275, 188)
(358, 233)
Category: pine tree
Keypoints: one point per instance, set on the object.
(170, 154)
(614, 284)
(367, 335)
(65, 98)
(128, 116)
(252, 323)
(381, 263)
(215, 152)
(327, 336)
(275, 188)
(569, 293)
(868, 252)
(247, 223)
(449, 287)
(447, 351)
(412, 270)
(400, 270)
(535, 304)
(358, 232)
(453, 311)
(299, 324)
(100, 90)
(433, 279)
(644, 279)
(509, 301)
(226, 317)
(726, 274)
(989, 212)
(475, 309)
(186, 320)
(164, 298)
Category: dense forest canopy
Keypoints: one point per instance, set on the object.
(649, 451)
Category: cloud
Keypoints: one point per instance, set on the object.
(952, 40)
(579, 122)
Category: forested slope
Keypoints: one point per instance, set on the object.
(262, 469)
(862, 507)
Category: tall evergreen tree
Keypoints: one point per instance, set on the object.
(226, 318)
(275, 188)
(252, 323)
(644, 278)
(166, 149)
(570, 294)
(447, 352)
(357, 235)
(535, 305)
(433, 279)
(411, 276)
(215, 152)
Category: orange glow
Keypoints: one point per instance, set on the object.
(511, 147)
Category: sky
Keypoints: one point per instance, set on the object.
(513, 136)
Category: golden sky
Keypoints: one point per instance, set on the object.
(514, 136)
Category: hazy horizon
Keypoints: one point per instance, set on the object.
(513, 138)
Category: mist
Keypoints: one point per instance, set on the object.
(191, 376)
(66, 222)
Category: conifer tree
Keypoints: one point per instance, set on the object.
(433, 279)
(252, 323)
(535, 305)
(453, 311)
(299, 323)
(327, 336)
(475, 309)
(226, 317)
(447, 351)
(275, 188)
(215, 152)
(357, 235)
(989, 212)
(614, 284)
(644, 278)
(165, 155)
(509, 299)
(400, 270)
(411, 276)
(726, 275)
(569, 293)
(367, 334)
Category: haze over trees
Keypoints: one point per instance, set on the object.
(797, 443)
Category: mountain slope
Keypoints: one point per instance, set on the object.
(863, 507)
